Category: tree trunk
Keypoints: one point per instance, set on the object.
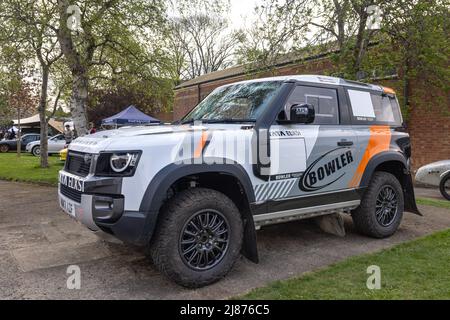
(43, 119)
(18, 136)
(79, 73)
(78, 102)
(361, 38)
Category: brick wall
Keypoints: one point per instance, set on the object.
(429, 127)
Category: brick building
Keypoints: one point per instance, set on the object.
(428, 124)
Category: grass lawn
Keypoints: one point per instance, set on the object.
(26, 168)
(413, 270)
(433, 202)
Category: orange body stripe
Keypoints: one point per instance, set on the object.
(199, 150)
(379, 141)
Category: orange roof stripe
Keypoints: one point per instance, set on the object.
(388, 90)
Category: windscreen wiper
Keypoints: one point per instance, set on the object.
(229, 120)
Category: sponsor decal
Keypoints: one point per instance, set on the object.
(286, 133)
(321, 174)
(71, 182)
(285, 176)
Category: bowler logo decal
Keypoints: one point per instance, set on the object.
(318, 175)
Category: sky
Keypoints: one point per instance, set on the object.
(242, 11)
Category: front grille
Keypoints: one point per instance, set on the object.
(70, 193)
(78, 163)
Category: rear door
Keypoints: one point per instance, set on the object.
(374, 114)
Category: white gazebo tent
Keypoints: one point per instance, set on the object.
(33, 122)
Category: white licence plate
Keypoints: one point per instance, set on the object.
(68, 206)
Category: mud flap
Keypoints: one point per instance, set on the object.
(410, 198)
(249, 245)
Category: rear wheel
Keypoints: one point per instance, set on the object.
(4, 148)
(36, 151)
(444, 186)
(199, 237)
(381, 209)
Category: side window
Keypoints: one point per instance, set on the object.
(374, 108)
(324, 100)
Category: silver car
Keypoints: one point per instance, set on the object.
(55, 145)
(436, 174)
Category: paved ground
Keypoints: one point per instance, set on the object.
(38, 242)
(429, 193)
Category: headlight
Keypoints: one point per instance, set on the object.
(120, 162)
(117, 163)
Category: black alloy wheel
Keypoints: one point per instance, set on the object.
(204, 240)
(386, 206)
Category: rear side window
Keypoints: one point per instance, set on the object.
(324, 101)
(374, 108)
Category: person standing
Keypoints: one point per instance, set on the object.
(12, 134)
(68, 134)
(92, 128)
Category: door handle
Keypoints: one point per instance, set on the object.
(345, 143)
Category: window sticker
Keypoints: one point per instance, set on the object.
(361, 104)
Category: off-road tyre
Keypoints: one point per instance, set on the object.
(367, 218)
(167, 251)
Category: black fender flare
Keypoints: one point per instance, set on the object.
(407, 185)
(158, 187)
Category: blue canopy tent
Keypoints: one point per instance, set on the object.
(128, 117)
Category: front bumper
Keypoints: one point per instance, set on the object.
(82, 212)
(101, 208)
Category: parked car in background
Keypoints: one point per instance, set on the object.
(63, 154)
(436, 174)
(55, 144)
(11, 145)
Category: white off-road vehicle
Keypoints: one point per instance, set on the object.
(250, 154)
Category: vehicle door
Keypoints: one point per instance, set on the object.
(57, 143)
(26, 140)
(309, 159)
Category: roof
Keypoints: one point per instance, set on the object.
(302, 55)
(314, 79)
(35, 120)
(213, 76)
(239, 70)
(130, 115)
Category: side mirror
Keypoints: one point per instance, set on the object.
(302, 113)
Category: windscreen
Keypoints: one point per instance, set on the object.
(238, 102)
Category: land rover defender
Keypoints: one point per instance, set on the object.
(252, 153)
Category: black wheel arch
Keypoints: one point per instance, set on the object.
(397, 164)
(157, 191)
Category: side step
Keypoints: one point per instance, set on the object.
(303, 213)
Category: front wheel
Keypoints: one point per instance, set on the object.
(36, 151)
(4, 148)
(198, 238)
(444, 186)
(381, 209)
